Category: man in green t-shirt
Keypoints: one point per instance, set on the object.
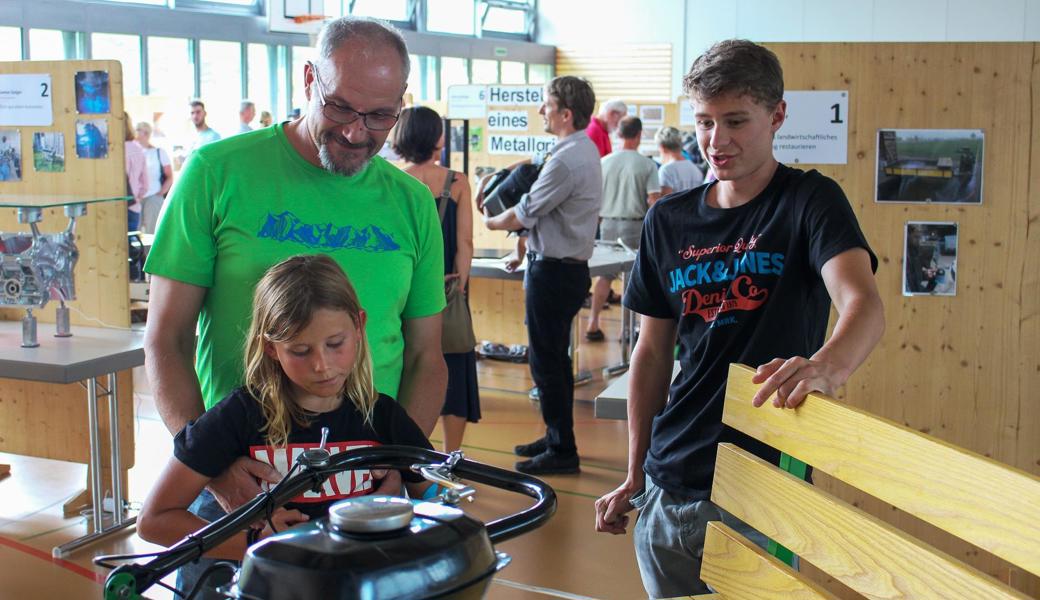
(312, 185)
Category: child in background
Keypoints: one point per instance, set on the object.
(307, 367)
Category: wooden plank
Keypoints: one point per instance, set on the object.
(866, 554)
(991, 505)
(740, 570)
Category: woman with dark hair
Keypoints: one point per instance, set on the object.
(418, 138)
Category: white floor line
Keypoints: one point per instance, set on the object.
(540, 590)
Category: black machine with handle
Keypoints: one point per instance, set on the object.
(377, 547)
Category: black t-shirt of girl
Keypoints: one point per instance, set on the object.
(744, 285)
(231, 429)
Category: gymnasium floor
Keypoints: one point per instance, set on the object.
(564, 559)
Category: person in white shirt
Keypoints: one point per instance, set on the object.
(676, 173)
(246, 114)
(160, 178)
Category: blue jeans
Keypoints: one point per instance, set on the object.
(205, 507)
(669, 540)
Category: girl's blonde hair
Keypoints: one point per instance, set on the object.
(284, 302)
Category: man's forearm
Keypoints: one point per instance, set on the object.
(649, 377)
(507, 221)
(173, 380)
(424, 383)
(858, 329)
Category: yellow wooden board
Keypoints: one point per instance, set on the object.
(48, 420)
(991, 505)
(740, 570)
(866, 554)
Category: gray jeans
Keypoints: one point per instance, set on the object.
(669, 540)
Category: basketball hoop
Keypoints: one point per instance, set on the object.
(300, 19)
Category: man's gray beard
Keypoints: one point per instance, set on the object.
(333, 167)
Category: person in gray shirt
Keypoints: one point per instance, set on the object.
(676, 173)
(560, 213)
(630, 187)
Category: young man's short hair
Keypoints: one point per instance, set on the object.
(576, 94)
(738, 67)
(197, 103)
(629, 127)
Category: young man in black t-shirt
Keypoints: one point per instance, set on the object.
(739, 270)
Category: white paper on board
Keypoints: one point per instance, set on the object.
(467, 101)
(816, 130)
(26, 99)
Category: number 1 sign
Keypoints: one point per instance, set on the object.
(816, 130)
(26, 100)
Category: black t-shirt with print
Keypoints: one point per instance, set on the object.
(745, 286)
(232, 428)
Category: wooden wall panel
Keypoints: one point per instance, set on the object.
(640, 72)
(46, 420)
(964, 368)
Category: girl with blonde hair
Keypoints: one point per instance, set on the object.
(307, 368)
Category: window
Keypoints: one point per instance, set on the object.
(391, 10)
(506, 20)
(454, 71)
(259, 58)
(415, 77)
(171, 70)
(51, 44)
(10, 43)
(124, 48)
(450, 16)
(539, 73)
(220, 83)
(300, 56)
(513, 72)
(485, 71)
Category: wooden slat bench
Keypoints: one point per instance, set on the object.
(990, 505)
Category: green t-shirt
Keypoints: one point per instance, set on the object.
(245, 203)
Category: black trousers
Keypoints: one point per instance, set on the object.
(553, 296)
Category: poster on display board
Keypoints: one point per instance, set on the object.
(930, 258)
(816, 130)
(929, 165)
(26, 99)
(651, 114)
(10, 155)
(467, 102)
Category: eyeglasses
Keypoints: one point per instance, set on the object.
(375, 121)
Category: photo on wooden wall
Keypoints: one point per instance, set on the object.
(92, 96)
(929, 165)
(930, 258)
(91, 138)
(49, 151)
(652, 113)
(10, 155)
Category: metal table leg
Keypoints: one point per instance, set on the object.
(119, 521)
(627, 335)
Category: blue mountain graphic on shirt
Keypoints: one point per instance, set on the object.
(287, 227)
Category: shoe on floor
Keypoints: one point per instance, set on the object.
(548, 463)
(533, 449)
(595, 336)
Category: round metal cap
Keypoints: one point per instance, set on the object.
(371, 514)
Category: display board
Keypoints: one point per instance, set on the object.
(47, 420)
(963, 368)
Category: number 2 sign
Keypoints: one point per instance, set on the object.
(26, 100)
